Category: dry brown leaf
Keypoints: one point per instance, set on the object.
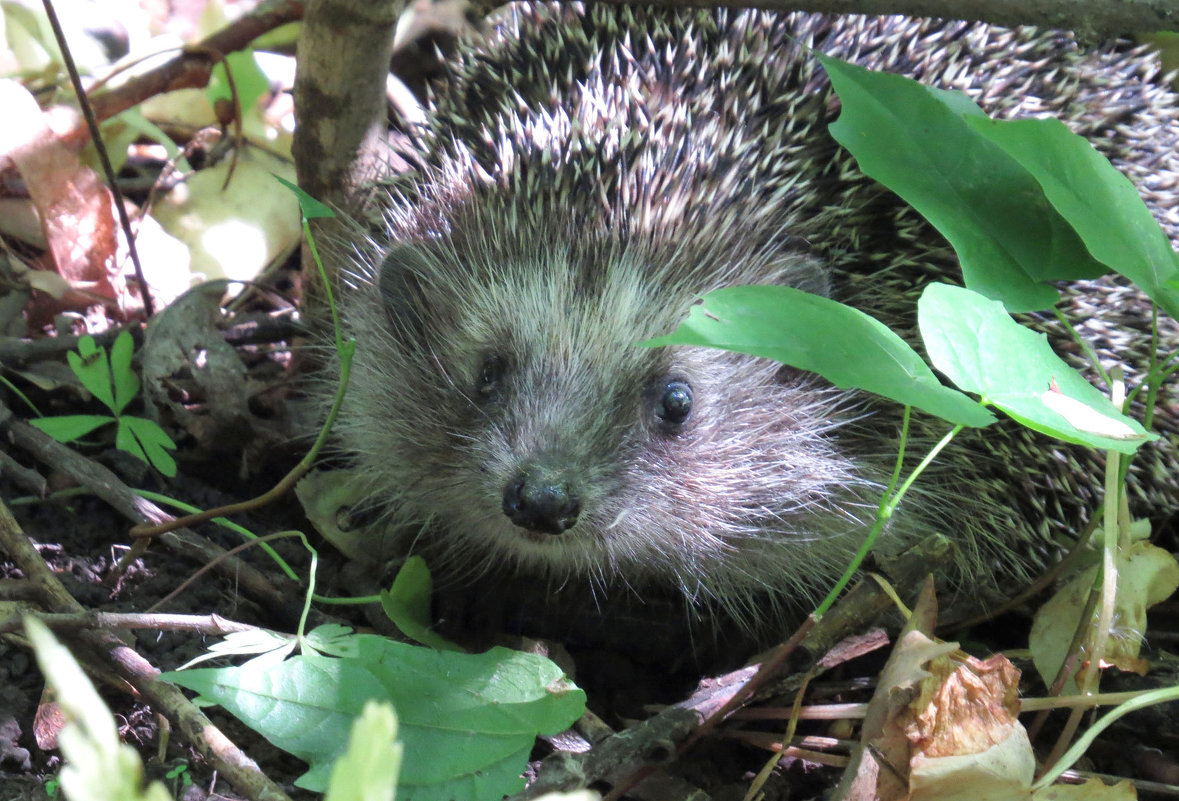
(941, 726)
(964, 707)
(75, 208)
(967, 740)
(879, 768)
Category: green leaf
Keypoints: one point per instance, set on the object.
(310, 207)
(468, 721)
(333, 639)
(1098, 202)
(368, 769)
(70, 427)
(141, 127)
(125, 380)
(842, 344)
(977, 344)
(407, 604)
(144, 439)
(90, 365)
(924, 144)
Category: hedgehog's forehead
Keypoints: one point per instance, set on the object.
(562, 301)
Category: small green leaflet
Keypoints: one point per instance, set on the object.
(407, 604)
(113, 382)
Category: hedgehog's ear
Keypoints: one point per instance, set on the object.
(402, 285)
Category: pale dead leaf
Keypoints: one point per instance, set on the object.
(334, 501)
(879, 768)
(1091, 790)
(964, 707)
(238, 231)
(941, 725)
(1147, 575)
(1002, 772)
(967, 740)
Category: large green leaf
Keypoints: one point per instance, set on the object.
(977, 344)
(1098, 201)
(842, 344)
(925, 145)
(468, 721)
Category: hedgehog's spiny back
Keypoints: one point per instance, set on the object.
(589, 174)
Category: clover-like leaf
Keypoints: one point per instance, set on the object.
(70, 427)
(92, 368)
(125, 381)
(144, 439)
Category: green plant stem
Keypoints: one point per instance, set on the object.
(1085, 740)
(327, 286)
(1155, 377)
(354, 601)
(889, 502)
(221, 521)
(883, 513)
(345, 351)
(307, 597)
(12, 388)
(1085, 346)
(929, 457)
(1108, 580)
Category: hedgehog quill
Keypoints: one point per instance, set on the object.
(586, 175)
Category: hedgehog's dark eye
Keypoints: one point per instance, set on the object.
(675, 404)
(491, 373)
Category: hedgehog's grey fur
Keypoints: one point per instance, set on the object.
(587, 175)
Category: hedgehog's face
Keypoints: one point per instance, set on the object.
(526, 421)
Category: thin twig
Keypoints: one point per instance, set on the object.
(100, 148)
(200, 732)
(107, 486)
(212, 625)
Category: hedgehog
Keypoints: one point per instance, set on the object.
(585, 175)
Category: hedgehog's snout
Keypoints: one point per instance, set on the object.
(538, 500)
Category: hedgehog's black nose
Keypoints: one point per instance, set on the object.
(540, 502)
